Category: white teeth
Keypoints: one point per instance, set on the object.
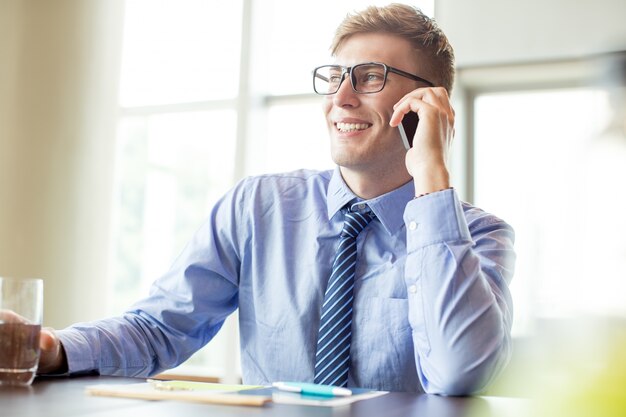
(350, 127)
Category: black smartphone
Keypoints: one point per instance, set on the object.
(407, 128)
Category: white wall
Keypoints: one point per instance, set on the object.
(59, 63)
(485, 32)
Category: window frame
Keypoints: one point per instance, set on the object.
(473, 81)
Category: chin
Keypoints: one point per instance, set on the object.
(350, 161)
(343, 155)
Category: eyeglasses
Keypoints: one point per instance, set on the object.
(366, 78)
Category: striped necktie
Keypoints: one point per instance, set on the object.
(333, 343)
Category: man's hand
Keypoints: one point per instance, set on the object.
(52, 358)
(426, 161)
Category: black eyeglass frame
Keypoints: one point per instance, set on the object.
(348, 71)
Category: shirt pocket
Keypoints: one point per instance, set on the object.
(382, 315)
(382, 347)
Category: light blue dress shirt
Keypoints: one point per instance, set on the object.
(432, 308)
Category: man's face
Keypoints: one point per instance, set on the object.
(361, 138)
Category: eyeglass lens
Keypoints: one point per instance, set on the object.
(365, 78)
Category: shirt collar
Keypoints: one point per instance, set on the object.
(388, 208)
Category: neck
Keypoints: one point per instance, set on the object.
(368, 185)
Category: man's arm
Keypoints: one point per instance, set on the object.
(457, 273)
(185, 309)
(460, 308)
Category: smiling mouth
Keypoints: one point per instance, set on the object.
(351, 127)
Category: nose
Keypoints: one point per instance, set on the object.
(345, 96)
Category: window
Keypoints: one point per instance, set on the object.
(177, 140)
(531, 148)
(210, 92)
(170, 173)
(173, 51)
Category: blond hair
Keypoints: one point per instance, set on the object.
(409, 23)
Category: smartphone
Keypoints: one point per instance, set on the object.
(407, 129)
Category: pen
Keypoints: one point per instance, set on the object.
(312, 389)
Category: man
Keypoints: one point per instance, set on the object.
(417, 298)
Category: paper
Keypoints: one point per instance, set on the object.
(211, 393)
(182, 391)
(283, 397)
(199, 386)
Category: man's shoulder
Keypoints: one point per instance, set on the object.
(477, 218)
(303, 186)
(285, 180)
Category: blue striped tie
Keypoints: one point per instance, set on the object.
(333, 342)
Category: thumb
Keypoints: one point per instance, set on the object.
(51, 356)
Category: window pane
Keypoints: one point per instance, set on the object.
(529, 148)
(171, 169)
(180, 51)
(297, 137)
(296, 36)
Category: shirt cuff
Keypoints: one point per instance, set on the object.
(77, 351)
(435, 218)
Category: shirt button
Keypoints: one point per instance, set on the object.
(360, 206)
(413, 289)
(412, 225)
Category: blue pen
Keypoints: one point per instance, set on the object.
(313, 389)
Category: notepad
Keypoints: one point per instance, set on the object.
(201, 392)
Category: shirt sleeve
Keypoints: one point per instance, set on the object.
(184, 310)
(458, 268)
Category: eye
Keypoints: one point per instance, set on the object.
(369, 74)
(373, 77)
(334, 78)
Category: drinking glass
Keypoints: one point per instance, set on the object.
(21, 314)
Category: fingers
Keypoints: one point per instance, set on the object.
(426, 102)
(9, 316)
(426, 161)
(48, 341)
(50, 358)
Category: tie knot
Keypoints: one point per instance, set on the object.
(355, 222)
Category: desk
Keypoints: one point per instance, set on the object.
(65, 397)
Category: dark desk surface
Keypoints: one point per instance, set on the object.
(56, 397)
